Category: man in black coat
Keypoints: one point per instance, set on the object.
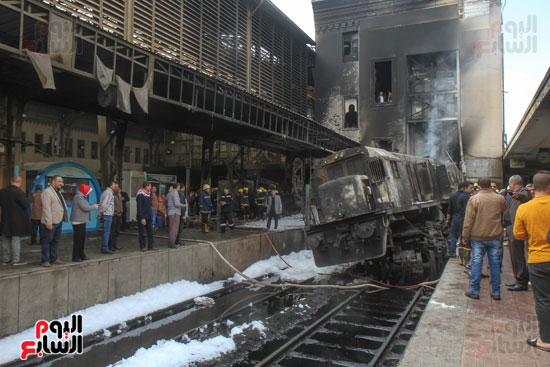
(184, 213)
(14, 222)
(144, 218)
(125, 201)
(519, 195)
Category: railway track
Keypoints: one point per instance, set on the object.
(167, 323)
(364, 329)
(321, 327)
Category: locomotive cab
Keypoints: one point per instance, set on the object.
(382, 208)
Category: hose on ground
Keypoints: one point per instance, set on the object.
(293, 285)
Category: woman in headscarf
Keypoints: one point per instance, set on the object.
(80, 215)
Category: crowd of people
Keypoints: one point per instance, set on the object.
(481, 217)
(49, 211)
(246, 206)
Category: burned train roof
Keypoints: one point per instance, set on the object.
(374, 152)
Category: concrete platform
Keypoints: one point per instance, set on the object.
(457, 331)
(32, 292)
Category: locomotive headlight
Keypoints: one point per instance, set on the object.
(365, 230)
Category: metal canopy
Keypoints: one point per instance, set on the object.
(182, 99)
(533, 133)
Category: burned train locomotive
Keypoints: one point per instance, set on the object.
(382, 208)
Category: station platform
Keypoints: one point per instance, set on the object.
(31, 292)
(456, 331)
(127, 241)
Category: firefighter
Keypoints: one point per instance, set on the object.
(205, 205)
(237, 202)
(261, 203)
(226, 215)
(245, 204)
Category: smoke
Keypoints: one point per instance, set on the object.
(439, 134)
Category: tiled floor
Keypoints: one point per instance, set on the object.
(496, 331)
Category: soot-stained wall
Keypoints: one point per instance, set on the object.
(394, 32)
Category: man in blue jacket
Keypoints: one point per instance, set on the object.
(145, 217)
(205, 205)
(455, 218)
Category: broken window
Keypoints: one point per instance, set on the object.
(383, 81)
(432, 92)
(435, 139)
(356, 166)
(386, 144)
(350, 46)
(80, 149)
(350, 114)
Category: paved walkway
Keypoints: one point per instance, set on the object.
(456, 331)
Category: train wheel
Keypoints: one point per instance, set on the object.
(440, 260)
(430, 265)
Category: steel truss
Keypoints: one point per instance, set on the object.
(173, 83)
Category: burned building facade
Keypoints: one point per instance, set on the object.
(415, 77)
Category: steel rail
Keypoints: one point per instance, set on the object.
(380, 352)
(307, 331)
(292, 343)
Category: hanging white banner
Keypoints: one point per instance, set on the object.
(43, 67)
(103, 73)
(123, 95)
(142, 94)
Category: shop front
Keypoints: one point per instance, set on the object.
(73, 175)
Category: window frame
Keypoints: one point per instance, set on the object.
(356, 97)
(380, 139)
(351, 57)
(373, 81)
(40, 143)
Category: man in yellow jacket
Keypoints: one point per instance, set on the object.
(532, 224)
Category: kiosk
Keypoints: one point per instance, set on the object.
(73, 175)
